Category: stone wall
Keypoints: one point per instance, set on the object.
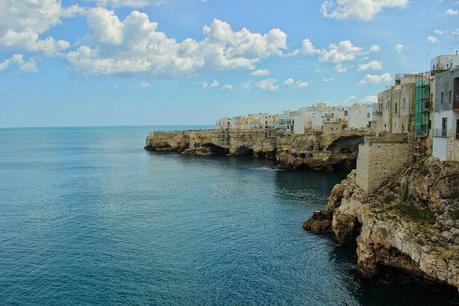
(379, 159)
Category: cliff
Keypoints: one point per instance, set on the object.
(313, 150)
(410, 223)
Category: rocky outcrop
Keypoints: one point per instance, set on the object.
(312, 150)
(411, 223)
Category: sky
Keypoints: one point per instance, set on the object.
(186, 62)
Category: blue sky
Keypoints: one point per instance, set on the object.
(157, 62)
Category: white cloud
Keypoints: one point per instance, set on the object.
(290, 82)
(268, 84)
(432, 39)
(227, 87)
(129, 3)
(344, 51)
(399, 48)
(134, 46)
(370, 99)
(358, 9)
(23, 65)
(22, 24)
(372, 65)
(340, 68)
(374, 48)
(214, 84)
(451, 12)
(439, 32)
(144, 84)
(327, 79)
(261, 72)
(456, 32)
(107, 27)
(375, 79)
(307, 48)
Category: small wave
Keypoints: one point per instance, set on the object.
(267, 169)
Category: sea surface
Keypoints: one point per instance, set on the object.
(87, 216)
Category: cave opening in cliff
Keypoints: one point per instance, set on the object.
(214, 149)
(244, 151)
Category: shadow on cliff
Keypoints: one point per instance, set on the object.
(391, 286)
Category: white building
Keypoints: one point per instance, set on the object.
(444, 62)
(360, 116)
(445, 132)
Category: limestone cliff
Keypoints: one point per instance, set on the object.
(313, 150)
(411, 223)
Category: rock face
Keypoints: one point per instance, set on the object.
(314, 150)
(411, 223)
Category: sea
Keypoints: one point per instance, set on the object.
(88, 217)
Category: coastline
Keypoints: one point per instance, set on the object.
(387, 232)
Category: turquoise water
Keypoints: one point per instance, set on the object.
(89, 217)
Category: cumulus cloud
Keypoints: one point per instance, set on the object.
(432, 39)
(23, 65)
(290, 82)
(375, 79)
(374, 48)
(216, 84)
(370, 99)
(134, 46)
(451, 12)
(399, 48)
(129, 3)
(261, 72)
(372, 65)
(268, 84)
(23, 23)
(340, 68)
(344, 51)
(358, 9)
(307, 48)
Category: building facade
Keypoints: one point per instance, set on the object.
(445, 133)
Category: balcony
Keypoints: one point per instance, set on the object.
(428, 105)
(441, 133)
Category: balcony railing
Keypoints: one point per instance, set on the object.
(428, 105)
(441, 133)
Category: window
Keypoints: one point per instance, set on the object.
(450, 97)
(444, 126)
(404, 103)
(457, 128)
(368, 115)
(441, 97)
(396, 108)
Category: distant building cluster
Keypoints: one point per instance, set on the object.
(422, 106)
(318, 117)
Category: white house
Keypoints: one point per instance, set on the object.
(445, 132)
